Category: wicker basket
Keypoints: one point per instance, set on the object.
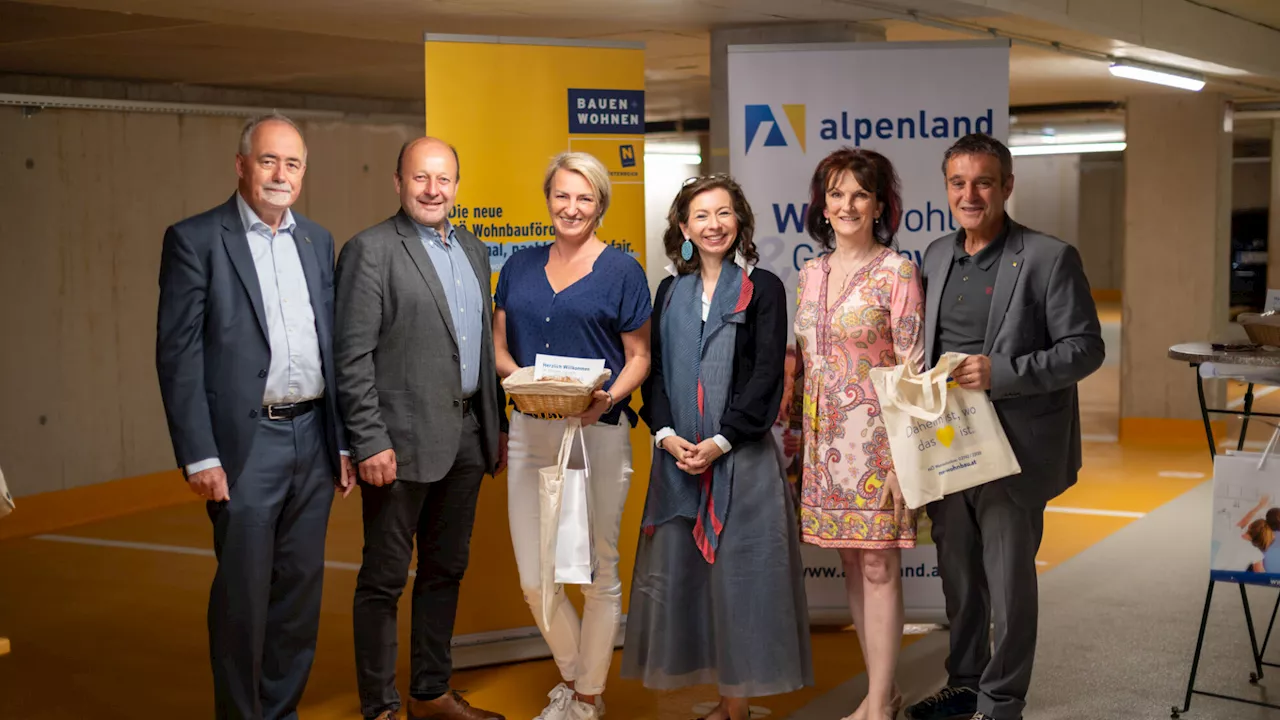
(550, 397)
(1262, 329)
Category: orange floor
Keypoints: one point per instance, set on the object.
(112, 632)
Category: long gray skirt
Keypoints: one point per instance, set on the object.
(741, 623)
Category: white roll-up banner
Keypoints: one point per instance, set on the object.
(791, 105)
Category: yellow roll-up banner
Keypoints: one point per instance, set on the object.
(510, 105)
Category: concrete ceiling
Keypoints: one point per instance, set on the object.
(1266, 12)
(372, 48)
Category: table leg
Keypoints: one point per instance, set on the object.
(1204, 412)
(1270, 626)
(1195, 661)
(1248, 409)
(1255, 676)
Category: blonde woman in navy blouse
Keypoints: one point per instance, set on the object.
(577, 297)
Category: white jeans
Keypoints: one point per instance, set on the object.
(583, 651)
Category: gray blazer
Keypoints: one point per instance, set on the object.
(1043, 337)
(212, 352)
(399, 376)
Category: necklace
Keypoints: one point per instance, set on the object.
(849, 269)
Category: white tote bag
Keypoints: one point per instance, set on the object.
(564, 525)
(6, 500)
(573, 538)
(944, 438)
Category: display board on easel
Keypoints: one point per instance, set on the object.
(1246, 518)
(1243, 545)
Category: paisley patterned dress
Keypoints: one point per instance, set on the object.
(877, 320)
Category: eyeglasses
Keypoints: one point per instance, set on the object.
(713, 176)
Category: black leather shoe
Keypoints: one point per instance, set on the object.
(949, 703)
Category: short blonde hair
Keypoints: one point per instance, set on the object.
(591, 170)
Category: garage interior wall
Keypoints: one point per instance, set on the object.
(86, 198)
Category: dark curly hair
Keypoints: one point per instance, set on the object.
(875, 174)
(673, 238)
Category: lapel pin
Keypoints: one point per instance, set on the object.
(307, 240)
(1015, 264)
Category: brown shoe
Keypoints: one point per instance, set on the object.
(449, 707)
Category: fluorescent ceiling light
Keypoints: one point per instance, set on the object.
(1067, 148)
(1159, 75)
(670, 147)
(1083, 137)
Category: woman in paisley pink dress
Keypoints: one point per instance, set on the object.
(859, 306)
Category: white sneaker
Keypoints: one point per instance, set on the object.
(558, 709)
(579, 710)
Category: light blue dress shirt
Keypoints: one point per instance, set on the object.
(462, 290)
(295, 373)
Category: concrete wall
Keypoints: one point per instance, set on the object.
(1100, 231)
(1251, 185)
(1046, 194)
(1178, 175)
(663, 179)
(1080, 200)
(87, 196)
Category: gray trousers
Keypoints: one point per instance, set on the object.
(441, 515)
(987, 542)
(264, 607)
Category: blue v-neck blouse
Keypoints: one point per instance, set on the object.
(585, 320)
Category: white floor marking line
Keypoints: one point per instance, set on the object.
(1239, 402)
(1092, 511)
(1180, 474)
(1100, 437)
(172, 549)
(1249, 445)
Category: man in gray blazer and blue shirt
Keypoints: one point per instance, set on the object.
(245, 362)
(419, 390)
(1017, 302)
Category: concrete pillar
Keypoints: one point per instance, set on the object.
(1176, 259)
(1273, 236)
(722, 38)
(704, 149)
(1100, 225)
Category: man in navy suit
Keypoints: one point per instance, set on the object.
(244, 353)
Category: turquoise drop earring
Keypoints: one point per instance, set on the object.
(686, 250)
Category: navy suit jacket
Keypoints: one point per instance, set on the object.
(212, 352)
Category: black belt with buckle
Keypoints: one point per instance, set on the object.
(466, 405)
(288, 411)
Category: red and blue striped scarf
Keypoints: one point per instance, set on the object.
(697, 374)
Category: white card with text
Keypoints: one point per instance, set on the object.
(1273, 300)
(556, 367)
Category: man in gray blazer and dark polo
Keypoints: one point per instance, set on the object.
(245, 363)
(1017, 302)
(419, 390)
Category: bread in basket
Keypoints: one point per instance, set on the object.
(563, 396)
(1263, 329)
